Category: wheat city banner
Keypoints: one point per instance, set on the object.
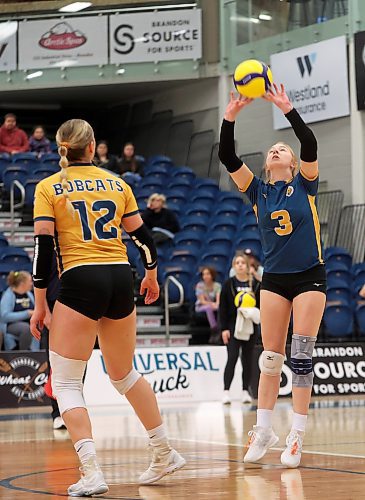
(8, 33)
(316, 80)
(55, 43)
(155, 36)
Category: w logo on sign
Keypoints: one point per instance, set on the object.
(306, 63)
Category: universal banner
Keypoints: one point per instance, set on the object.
(8, 32)
(156, 36)
(52, 43)
(316, 80)
(22, 377)
(360, 68)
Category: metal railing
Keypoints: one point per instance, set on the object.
(14, 206)
(351, 231)
(175, 305)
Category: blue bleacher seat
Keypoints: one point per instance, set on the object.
(159, 160)
(42, 173)
(253, 245)
(52, 165)
(4, 164)
(338, 320)
(340, 254)
(187, 238)
(50, 157)
(176, 199)
(222, 220)
(335, 264)
(16, 157)
(14, 255)
(339, 279)
(155, 182)
(342, 295)
(13, 173)
(183, 173)
(228, 227)
(248, 219)
(54, 146)
(360, 266)
(184, 259)
(230, 198)
(29, 187)
(194, 224)
(359, 280)
(198, 211)
(191, 247)
(226, 209)
(217, 260)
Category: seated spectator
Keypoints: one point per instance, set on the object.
(255, 266)
(12, 139)
(162, 221)
(103, 159)
(128, 166)
(38, 142)
(16, 309)
(207, 294)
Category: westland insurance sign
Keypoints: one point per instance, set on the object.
(316, 80)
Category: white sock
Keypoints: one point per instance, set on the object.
(158, 437)
(299, 422)
(85, 448)
(264, 418)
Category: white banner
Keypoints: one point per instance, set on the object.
(77, 41)
(156, 36)
(8, 33)
(176, 374)
(315, 79)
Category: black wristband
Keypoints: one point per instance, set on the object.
(226, 153)
(143, 240)
(42, 261)
(308, 142)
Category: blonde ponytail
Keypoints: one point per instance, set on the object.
(62, 151)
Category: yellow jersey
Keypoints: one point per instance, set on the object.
(92, 234)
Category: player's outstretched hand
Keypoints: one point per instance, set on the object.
(151, 288)
(279, 98)
(236, 103)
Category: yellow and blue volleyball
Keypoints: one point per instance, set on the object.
(252, 78)
(244, 299)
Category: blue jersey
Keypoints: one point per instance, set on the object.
(288, 223)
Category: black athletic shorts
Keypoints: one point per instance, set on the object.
(98, 291)
(289, 285)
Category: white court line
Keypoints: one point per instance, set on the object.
(343, 455)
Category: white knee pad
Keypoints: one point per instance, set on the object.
(67, 381)
(126, 384)
(272, 363)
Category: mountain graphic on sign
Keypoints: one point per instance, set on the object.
(62, 36)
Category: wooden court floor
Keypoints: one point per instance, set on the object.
(39, 463)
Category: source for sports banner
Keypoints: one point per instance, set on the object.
(155, 36)
(186, 374)
(22, 377)
(316, 80)
(52, 43)
(8, 33)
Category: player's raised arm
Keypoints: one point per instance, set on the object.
(239, 172)
(308, 142)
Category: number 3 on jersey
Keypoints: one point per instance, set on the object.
(285, 224)
(97, 206)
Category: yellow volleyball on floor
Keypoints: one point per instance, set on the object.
(244, 299)
(252, 78)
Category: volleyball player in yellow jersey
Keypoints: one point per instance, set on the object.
(80, 211)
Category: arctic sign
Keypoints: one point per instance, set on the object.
(315, 79)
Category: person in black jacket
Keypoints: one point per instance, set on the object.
(160, 220)
(103, 158)
(242, 281)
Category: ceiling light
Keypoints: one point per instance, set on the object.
(120, 71)
(265, 17)
(75, 7)
(36, 74)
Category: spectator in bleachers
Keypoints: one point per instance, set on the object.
(103, 159)
(159, 219)
(12, 138)
(243, 281)
(129, 167)
(255, 265)
(207, 294)
(16, 307)
(38, 142)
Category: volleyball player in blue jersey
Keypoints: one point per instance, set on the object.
(294, 278)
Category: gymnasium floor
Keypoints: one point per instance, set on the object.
(39, 463)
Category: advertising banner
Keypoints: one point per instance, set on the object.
(8, 32)
(22, 377)
(52, 43)
(359, 40)
(316, 80)
(156, 36)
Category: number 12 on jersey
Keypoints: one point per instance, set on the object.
(99, 231)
